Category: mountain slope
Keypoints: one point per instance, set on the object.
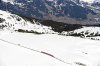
(67, 11)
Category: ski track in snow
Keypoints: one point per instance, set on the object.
(36, 51)
(69, 49)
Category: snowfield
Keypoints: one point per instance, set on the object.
(11, 55)
(68, 51)
(47, 48)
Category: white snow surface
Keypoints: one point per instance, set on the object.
(89, 29)
(89, 1)
(85, 31)
(50, 0)
(71, 50)
(10, 1)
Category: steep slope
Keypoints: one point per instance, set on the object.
(92, 4)
(68, 11)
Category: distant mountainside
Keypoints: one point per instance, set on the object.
(67, 11)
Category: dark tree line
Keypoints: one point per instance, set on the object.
(59, 26)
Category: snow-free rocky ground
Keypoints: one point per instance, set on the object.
(48, 49)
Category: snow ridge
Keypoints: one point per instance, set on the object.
(92, 33)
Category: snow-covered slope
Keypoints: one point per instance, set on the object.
(91, 4)
(13, 55)
(18, 49)
(89, 1)
(10, 1)
(84, 32)
(15, 22)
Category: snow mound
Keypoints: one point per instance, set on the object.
(84, 32)
(17, 23)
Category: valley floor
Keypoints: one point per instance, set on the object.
(26, 49)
